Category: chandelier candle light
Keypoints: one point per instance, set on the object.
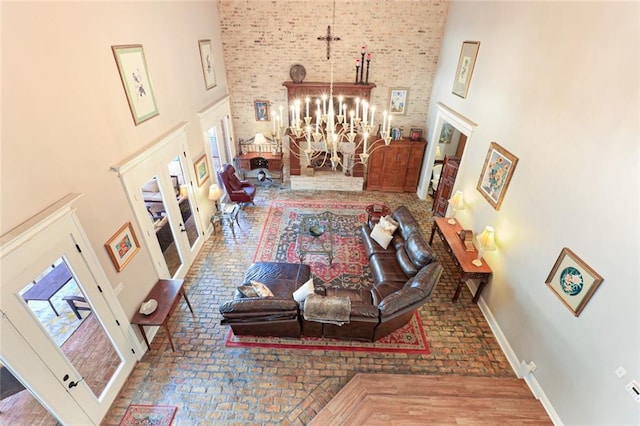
(333, 131)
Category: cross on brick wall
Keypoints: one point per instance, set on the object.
(329, 38)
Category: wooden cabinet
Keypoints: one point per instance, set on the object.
(396, 168)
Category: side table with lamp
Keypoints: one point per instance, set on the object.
(226, 212)
(465, 261)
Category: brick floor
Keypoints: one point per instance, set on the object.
(211, 383)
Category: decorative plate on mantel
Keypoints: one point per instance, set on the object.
(297, 73)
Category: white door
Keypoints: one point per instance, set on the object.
(62, 244)
(160, 188)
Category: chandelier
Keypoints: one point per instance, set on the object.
(330, 132)
(327, 133)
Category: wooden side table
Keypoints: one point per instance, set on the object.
(376, 211)
(228, 213)
(461, 257)
(167, 293)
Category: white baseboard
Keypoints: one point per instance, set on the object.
(519, 367)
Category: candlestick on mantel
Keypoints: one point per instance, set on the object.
(357, 69)
(362, 62)
(368, 60)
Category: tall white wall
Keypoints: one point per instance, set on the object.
(556, 83)
(65, 117)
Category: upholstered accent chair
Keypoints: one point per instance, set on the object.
(239, 191)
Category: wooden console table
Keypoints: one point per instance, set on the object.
(461, 258)
(167, 293)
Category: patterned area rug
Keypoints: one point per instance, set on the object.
(148, 415)
(349, 269)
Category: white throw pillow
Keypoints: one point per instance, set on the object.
(261, 289)
(388, 224)
(380, 236)
(305, 289)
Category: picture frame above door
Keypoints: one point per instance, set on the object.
(206, 58)
(464, 70)
(136, 81)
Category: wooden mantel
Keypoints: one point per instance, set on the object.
(317, 89)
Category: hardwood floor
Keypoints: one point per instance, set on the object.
(394, 399)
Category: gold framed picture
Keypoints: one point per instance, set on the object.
(496, 174)
(136, 82)
(201, 169)
(123, 246)
(464, 71)
(206, 57)
(573, 281)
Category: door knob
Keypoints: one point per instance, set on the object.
(73, 384)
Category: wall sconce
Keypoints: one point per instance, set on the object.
(438, 152)
(215, 193)
(486, 242)
(457, 203)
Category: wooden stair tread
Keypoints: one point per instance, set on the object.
(413, 399)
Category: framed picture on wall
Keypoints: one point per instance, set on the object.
(136, 81)
(496, 174)
(206, 57)
(122, 246)
(464, 71)
(202, 170)
(573, 281)
(262, 110)
(398, 100)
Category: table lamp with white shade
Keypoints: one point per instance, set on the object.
(486, 242)
(457, 203)
(215, 193)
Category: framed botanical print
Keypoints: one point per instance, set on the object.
(496, 174)
(464, 71)
(206, 57)
(122, 246)
(573, 281)
(201, 169)
(398, 100)
(136, 81)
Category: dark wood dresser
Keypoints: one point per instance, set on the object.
(396, 168)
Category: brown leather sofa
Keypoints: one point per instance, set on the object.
(268, 316)
(404, 274)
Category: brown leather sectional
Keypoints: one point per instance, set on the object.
(404, 275)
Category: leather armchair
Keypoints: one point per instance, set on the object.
(239, 191)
